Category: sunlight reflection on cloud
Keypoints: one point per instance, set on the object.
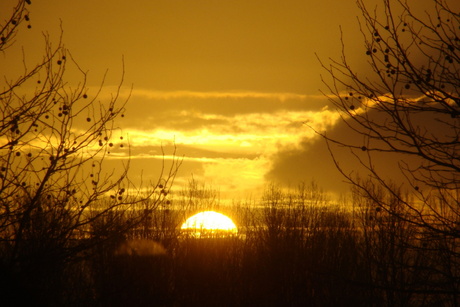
(214, 94)
(236, 133)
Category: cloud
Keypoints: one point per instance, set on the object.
(162, 105)
(222, 133)
(152, 94)
(312, 159)
(235, 152)
(309, 160)
(236, 177)
(166, 95)
(259, 133)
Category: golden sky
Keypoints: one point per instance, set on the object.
(231, 82)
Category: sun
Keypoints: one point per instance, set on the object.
(209, 223)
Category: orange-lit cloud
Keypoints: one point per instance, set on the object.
(233, 149)
(152, 94)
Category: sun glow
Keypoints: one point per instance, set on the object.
(209, 223)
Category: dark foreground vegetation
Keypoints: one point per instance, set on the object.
(293, 249)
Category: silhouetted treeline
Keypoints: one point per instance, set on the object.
(294, 248)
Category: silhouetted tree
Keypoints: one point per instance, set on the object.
(406, 106)
(56, 199)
